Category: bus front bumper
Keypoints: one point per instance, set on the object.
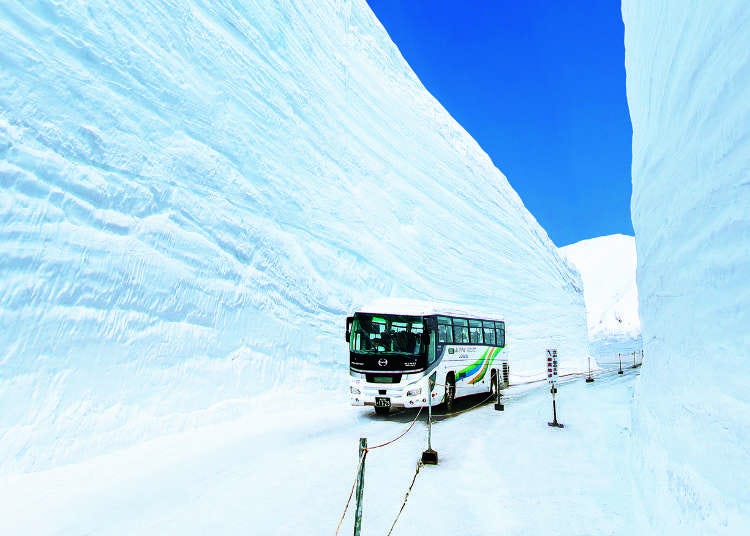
(413, 395)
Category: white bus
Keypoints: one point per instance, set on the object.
(391, 357)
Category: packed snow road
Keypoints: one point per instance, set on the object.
(288, 470)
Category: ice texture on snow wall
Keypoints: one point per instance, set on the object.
(195, 194)
(688, 85)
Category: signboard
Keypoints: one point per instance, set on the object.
(552, 379)
(552, 365)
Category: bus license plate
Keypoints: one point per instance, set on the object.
(382, 402)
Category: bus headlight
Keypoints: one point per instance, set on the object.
(355, 391)
(414, 392)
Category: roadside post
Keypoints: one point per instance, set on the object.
(552, 379)
(633, 359)
(589, 378)
(360, 485)
(499, 402)
(619, 356)
(429, 456)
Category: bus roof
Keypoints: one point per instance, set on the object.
(409, 307)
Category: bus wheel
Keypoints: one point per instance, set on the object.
(493, 384)
(450, 393)
(381, 411)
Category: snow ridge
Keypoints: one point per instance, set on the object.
(195, 194)
(688, 85)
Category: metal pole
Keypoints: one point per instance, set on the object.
(554, 422)
(589, 379)
(619, 356)
(633, 359)
(554, 410)
(360, 486)
(499, 406)
(429, 456)
(429, 417)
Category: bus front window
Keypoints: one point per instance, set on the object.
(387, 333)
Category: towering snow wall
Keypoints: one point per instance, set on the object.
(196, 193)
(607, 266)
(688, 84)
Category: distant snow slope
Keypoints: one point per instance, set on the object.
(688, 84)
(607, 266)
(195, 193)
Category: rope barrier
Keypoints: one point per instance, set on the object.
(351, 492)
(362, 460)
(627, 360)
(406, 497)
(464, 410)
(400, 436)
(568, 377)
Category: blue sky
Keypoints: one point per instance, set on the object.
(541, 86)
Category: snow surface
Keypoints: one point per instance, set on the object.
(607, 267)
(688, 86)
(195, 194)
(288, 469)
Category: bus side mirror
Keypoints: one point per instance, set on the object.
(349, 320)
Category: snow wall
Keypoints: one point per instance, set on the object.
(607, 265)
(688, 85)
(196, 194)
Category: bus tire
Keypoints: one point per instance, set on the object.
(450, 393)
(382, 411)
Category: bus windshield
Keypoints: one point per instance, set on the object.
(377, 333)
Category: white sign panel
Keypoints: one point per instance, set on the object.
(552, 365)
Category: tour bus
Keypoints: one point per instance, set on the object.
(392, 357)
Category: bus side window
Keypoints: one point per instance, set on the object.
(500, 333)
(445, 334)
(464, 335)
(461, 334)
(475, 332)
(460, 331)
(489, 333)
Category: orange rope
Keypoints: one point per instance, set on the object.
(343, 515)
(399, 437)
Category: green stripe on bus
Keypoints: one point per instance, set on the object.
(464, 372)
(486, 367)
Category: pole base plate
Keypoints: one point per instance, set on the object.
(589, 379)
(430, 457)
(619, 372)
(556, 424)
(499, 407)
